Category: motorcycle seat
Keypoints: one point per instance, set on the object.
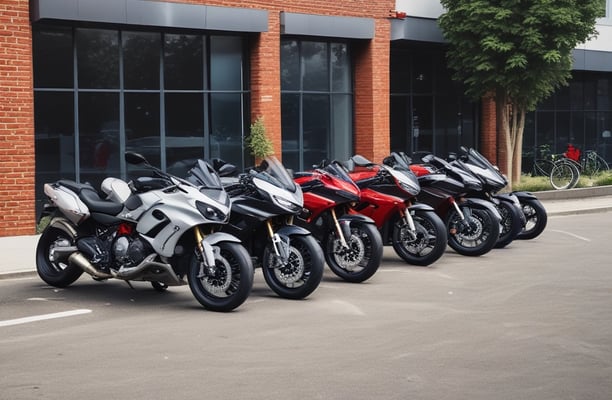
(90, 196)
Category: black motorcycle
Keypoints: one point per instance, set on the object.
(265, 201)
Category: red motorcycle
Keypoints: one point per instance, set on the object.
(388, 196)
(351, 242)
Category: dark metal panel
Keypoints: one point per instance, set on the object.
(419, 29)
(236, 19)
(331, 26)
(152, 13)
(592, 60)
(166, 14)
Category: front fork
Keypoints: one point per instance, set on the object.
(206, 251)
(342, 233)
(280, 244)
(407, 217)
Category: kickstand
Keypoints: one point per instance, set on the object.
(129, 284)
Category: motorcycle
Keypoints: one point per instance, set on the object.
(351, 242)
(507, 204)
(388, 196)
(473, 224)
(157, 228)
(533, 218)
(265, 201)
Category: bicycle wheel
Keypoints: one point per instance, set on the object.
(564, 175)
(542, 167)
(593, 163)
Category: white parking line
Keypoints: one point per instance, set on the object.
(34, 318)
(572, 234)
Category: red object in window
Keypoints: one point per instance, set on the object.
(573, 153)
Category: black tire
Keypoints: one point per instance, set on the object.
(511, 223)
(361, 260)
(426, 245)
(228, 284)
(301, 275)
(536, 217)
(475, 236)
(58, 273)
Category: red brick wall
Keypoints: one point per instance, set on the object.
(16, 120)
(488, 129)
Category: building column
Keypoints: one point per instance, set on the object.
(17, 154)
(265, 81)
(488, 130)
(372, 102)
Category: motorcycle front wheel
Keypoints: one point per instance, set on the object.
(360, 260)
(475, 235)
(423, 246)
(54, 270)
(301, 274)
(536, 217)
(226, 285)
(511, 223)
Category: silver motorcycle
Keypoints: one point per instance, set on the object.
(159, 228)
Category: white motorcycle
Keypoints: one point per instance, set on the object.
(160, 229)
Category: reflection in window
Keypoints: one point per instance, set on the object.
(99, 146)
(53, 58)
(226, 128)
(316, 104)
(141, 60)
(183, 62)
(97, 58)
(184, 131)
(54, 139)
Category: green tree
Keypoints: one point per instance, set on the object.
(519, 51)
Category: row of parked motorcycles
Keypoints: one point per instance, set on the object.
(213, 227)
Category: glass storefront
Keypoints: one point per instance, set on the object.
(579, 114)
(170, 96)
(428, 109)
(316, 102)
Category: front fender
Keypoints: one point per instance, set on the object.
(483, 205)
(217, 237)
(357, 218)
(525, 195)
(420, 207)
(289, 230)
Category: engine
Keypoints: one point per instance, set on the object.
(128, 251)
(117, 248)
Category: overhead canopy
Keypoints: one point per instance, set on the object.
(152, 13)
(330, 26)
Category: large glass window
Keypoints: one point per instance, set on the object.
(316, 103)
(173, 97)
(428, 110)
(579, 114)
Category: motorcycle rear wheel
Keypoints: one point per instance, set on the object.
(58, 273)
(302, 273)
(361, 260)
(228, 284)
(426, 245)
(536, 216)
(475, 236)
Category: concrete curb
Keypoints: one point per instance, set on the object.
(577, 193)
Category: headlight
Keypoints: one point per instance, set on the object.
(210, 212)
(287, 204)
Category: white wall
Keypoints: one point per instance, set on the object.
(433, 9)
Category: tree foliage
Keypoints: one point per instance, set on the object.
(260, 145)
(519, 51)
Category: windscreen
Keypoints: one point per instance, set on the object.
(273, 171)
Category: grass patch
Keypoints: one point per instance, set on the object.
(530, 183)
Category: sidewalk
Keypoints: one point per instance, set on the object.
(18, 252)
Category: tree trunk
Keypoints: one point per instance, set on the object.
(504, 113)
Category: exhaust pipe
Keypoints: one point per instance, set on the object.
(163, 271)
(79, 259)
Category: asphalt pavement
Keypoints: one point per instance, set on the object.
(18, 252)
